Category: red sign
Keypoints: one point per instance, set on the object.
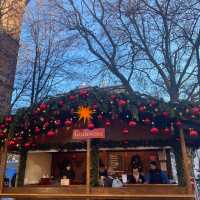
(84, 134)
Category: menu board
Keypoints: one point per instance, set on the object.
(115, 161)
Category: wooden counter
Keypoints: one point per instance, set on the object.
(135, 192)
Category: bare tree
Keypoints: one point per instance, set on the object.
(95, 25)
(190, 30)
(137, 38)
(43, 61)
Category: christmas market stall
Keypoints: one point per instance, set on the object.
(100, 143)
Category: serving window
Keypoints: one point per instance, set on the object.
(119, 161)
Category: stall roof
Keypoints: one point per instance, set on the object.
(103, 107)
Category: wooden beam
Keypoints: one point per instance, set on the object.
(3, 166)
(186, 169)
(88, 166)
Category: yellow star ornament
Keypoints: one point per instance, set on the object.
(84, 113)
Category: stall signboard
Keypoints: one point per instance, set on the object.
(85, 134)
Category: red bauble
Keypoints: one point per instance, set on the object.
(2, 135)
(125, 131)
(72, 97)
(94, 106)
(51, 133)
(57, 122)
(108, 123)
(83, 93)
(27, 145)
(12, 143)
(43, 106)
(165, 114)
(46, 124)
(90, 125)
(154, 131)
(100, 117)
(37, 130)
(196, 111)
(193, 133)
(2, 126)
(113, 97)
(68, 123)
(61, 103)
(167, 131)
(132, 123)
(8, 119)
(153, 103)
(122, 102)
(178, 123)
(147, 121)
(142, 108)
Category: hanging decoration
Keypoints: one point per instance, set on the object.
(96, 107)
(85, 113)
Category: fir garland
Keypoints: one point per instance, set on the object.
(58, 112)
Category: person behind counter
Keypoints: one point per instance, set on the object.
(136, 177)
(136, 161)
(68, 172)
(156, 176)
(103, 171)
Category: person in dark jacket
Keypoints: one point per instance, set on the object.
(156, 176)
(103, 171)
(68, 172)
(136, 161)
(13, 180)
(136, 177)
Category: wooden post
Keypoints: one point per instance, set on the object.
(3, 166)
(186, 169)
(88, 166)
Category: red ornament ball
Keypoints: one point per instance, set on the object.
(154, 131)
(122, 102)
(90, 125)
(196, 110)
(94, 106)
(72, 97)
(37, 130)
(147, 121)
(57, 122)
(125, 131)
(51, 133)
(108, 123)
(68, 123)
(100, 117)
(8, 119)
(43, 106)
(153, 103)
(113, 97)
(27, 145)
(165, 114)
(46, 124)
(142, 108)
(132, 123)
(61, 103)
(193, 133)
(12, 143)
(178, 123)
(167, 131)
(83, 93)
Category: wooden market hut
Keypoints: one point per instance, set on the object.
(136, 125)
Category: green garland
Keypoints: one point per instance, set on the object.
(22, 168)
(95, 166)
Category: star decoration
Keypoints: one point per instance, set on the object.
(85, 113)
